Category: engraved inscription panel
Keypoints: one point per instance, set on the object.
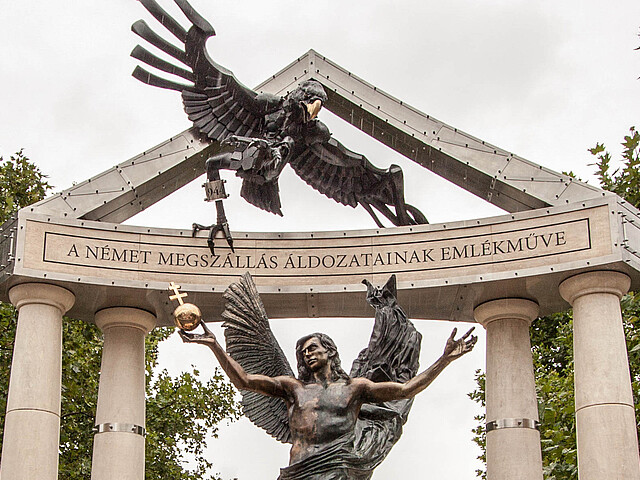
(425, 254)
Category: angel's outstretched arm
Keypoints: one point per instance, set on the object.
(272, 386)
(389, 391)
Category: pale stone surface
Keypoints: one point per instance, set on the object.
(319, 258)
(30, 446)
(512, 453)
(32, 424)
(606, 430)
(118, 456)
(121, 395)
(606, 452)
(601, 363)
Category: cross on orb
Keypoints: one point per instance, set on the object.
(176, 290)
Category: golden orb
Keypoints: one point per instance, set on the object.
(187, 316)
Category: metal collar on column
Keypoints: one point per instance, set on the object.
(120, 427)
(513, 423)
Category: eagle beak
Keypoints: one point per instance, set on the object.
(313, 109)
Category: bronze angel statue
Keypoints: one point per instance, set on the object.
(259, 134)
(340, 426)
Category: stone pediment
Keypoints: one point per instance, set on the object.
(493, 174)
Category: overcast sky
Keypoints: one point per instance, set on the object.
(545, 80)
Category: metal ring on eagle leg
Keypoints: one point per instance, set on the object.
(120, 427)
(513, 423)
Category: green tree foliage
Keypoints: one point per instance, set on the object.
(625, 180)
(552, 341)
(182, 411)
(21, 184)
(479, 432)
(7, 334)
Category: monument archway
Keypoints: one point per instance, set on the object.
(562, 243)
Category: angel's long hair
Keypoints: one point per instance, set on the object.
(304, 374)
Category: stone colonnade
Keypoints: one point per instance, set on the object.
(32, 425)
(605, 415)
(607, 439)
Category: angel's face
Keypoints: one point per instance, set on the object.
(314, 354)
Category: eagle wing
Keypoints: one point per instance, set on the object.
(350, 179)
(214, 100)
(251, 343)
(265, 196)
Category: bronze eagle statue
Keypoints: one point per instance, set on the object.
(259, 134)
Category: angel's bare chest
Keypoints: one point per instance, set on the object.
(333, 397)
(319, 411)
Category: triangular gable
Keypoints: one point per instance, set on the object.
(493, 174)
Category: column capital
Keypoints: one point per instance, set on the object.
(42, 293)
(125, 317)
(511, 308)
(602, 281)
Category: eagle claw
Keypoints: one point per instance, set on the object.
(213, 229)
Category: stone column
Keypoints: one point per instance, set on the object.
(605, 419)
(513, 438)
(32, 424)
(118, 446)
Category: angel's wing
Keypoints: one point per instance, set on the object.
(251, 343)
(349, 178)
(215, 101)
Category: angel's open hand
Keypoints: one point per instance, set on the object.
(205, 338)
(457, 348)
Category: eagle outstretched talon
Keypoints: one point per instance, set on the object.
(259, 134)
(213, 229)
(217, 194)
